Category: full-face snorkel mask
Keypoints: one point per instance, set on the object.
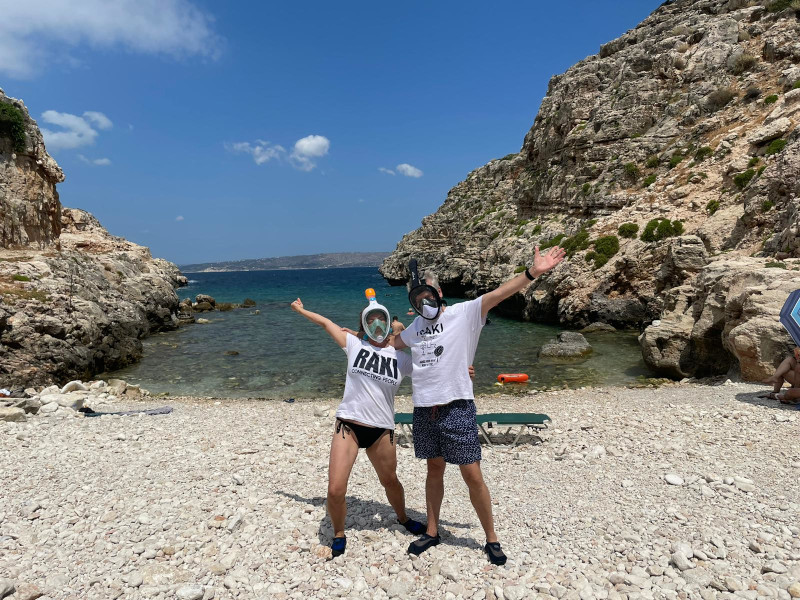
(375, 319)
(424, 299)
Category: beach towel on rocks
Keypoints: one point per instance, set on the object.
(164, 410)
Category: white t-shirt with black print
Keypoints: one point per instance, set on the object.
(373, 376)
(442, 351)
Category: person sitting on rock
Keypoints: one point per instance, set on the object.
(365, 417)
(788, 371)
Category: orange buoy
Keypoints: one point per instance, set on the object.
(512, 377)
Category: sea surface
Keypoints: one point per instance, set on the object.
(269, 351)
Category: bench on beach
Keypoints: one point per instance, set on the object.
(537, 421)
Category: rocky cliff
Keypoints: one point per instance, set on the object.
(74, 300)
(659, 163)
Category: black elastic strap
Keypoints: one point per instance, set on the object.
(528, 274)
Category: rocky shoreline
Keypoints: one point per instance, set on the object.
(74, 299)
(684, 491)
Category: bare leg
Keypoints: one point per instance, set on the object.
(434, 493)
(383, 456)
(480, 498)
(790, 396)
(777, 379)
(344, 451)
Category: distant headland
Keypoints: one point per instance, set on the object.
(305, 261)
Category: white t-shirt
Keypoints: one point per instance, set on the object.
(373, 376)
(441, 351)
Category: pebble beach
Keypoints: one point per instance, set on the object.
(681, 491)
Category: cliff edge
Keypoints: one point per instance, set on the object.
(74, 300)
(670, 155)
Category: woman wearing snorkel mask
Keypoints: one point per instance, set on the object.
(365, 417)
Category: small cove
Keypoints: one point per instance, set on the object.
(278, 354)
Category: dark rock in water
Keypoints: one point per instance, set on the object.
(570, 344)
(248, 302)
(226, 306)
(231, 353)
(597, 326)
(203, 307)
(200, 298)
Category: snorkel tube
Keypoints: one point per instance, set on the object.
(424, 299)
(375, 319)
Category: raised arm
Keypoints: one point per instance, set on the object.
(398, 343)
(541, 264)
(339, 336)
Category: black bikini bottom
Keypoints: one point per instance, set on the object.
(364, 435)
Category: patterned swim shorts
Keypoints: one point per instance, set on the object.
(449, 431)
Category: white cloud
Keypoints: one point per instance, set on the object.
(100, 162)
(33, 34)
(98, 119)
(303, 156)
(179, 218)
(261, 151)
(408, 170)
(307, 149)
(75, 131)
(385, 170)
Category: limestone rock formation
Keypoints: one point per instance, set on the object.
(31, 213)
(676, 145)
(74, 300)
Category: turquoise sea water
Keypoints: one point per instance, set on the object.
(282, 355)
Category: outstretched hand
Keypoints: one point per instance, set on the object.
(544, 262)
(297, 305)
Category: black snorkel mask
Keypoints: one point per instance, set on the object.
(424, 299)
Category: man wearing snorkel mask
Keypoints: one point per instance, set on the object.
(443, 341)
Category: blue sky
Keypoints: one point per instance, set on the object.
(218, 131)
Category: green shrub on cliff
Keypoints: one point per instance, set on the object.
(712, 206)
(631, 171)
(659, 229)
(675, 159)
(778, 5)
(628, 230)
(796, 85)
(766, 205)
(552, 241)
(649, 180)
(775, 146)
(742, 179)
(608, 245)
(703, 153)
(753, 162)
(519, 269)
(12, 126)
(21, 278)
(587, 187)
(771, 99)
(652, 161)
(604, 248)
(579, 241)
(775, 265)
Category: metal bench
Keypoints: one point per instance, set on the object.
(405, 421)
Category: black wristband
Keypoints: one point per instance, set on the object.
(528, 274)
